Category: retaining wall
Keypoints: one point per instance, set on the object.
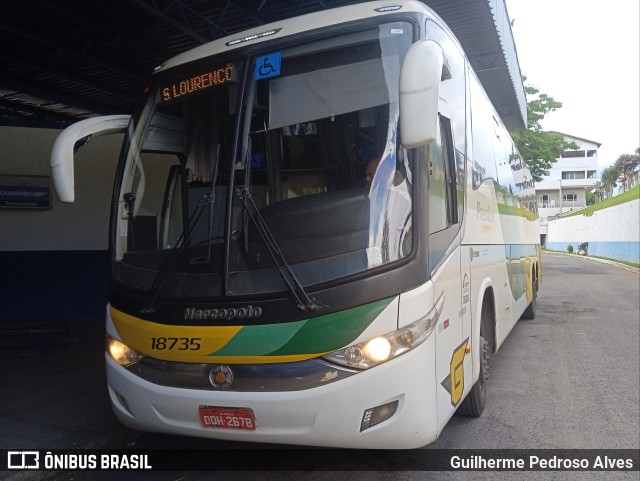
(612, 232)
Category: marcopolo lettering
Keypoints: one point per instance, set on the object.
(248, 312)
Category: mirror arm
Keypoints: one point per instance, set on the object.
(62, 153)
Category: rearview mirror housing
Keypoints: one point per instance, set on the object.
(424, 67)
(62, 153)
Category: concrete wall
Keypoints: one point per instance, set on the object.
(79, 226)
(612, 232)
(54, 263)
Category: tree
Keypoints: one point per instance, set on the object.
(626, 165)
(608, 180)
(599, 191)
(540, 149)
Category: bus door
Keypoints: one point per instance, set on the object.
(445, 266)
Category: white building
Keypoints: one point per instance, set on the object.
(564, 188)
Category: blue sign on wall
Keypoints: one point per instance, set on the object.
(25, 191)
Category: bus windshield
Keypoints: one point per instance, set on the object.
(298, 178)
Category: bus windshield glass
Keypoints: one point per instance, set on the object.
(226, 192)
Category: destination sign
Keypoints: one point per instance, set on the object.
(196, 83)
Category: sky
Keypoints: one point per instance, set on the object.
(585, 54)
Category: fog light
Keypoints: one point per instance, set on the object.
(376, 415)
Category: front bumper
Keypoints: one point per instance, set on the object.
(329, 415)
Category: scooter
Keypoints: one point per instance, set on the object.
(582, 249)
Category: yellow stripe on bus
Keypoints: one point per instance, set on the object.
(192, 343)
(187, 343)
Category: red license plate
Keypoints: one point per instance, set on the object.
(227, 418)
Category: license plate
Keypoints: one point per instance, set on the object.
(227, 418)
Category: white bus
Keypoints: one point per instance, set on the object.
(262, 287)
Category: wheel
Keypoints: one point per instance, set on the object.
(530, 312)
(474, 403)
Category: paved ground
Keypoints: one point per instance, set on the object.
(568, 379)
(56, 396)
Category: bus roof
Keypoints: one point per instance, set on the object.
(296, 25)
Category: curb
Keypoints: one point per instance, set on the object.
(634, 270)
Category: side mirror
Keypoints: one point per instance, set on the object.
(424, 67)
(65, 146)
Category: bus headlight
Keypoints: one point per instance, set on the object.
(380, 349)
(121, 353)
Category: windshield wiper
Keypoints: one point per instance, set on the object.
(212, 201)
(176, 250)
(301, 298)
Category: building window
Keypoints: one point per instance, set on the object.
(571, 197)
(575, 174)
(567, 154)
(544, 200)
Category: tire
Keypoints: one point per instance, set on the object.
(530, 312)
(474, 403)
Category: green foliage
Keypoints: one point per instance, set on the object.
(538, 148)
(628, 196)
(626, 165)
(591, 198)
(570, 249)
(610, 175)
(541, 149)
(538, 107)
(608, 180)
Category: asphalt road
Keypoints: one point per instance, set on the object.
(567, 379)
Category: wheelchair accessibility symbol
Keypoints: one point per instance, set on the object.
(268, 65)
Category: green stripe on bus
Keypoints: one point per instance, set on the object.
(517, 211)
(310, 336)
(331, 332)
(259, 340)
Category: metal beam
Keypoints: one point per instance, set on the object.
(18, 109)
(184, 19)
(246, 11)
(280, 12)
(52, 95)
(152, 52)
(74, 53)
(44, 67)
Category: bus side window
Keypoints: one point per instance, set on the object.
(450, 170)
(443, 206)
